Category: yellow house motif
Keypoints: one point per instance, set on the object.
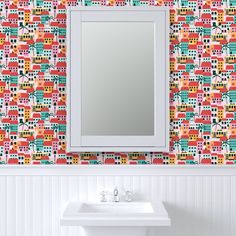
(48, 38)
(2, 86)
(2, 38)
(193, 135)
(220, 64)
(27, 65)
(48, 87)
(193, 87)
(172, 112)
(27, 112)
(220, 112)
(2, 134)
(220, 16)
(220, 159)
(27, 16)
(193, 38)
(172, 15)
(27, 159)
(172, 64)
(48, 135)
(123, 159)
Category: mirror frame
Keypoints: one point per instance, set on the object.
(160, 140)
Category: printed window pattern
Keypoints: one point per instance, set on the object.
(202, 83)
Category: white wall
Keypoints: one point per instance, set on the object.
(198, 204)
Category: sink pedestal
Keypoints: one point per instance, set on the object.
(115, 231)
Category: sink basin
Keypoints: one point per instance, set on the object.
(116, 208)
(115, 214)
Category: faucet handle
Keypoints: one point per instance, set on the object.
(103, 196)
(128, 196)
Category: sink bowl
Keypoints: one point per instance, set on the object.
(116, 208)
(115, 214)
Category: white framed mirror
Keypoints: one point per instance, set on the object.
(118, 79)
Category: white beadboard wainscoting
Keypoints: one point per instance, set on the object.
(201, 200)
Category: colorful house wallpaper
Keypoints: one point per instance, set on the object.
(202, 83)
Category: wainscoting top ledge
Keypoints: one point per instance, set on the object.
(118, 170)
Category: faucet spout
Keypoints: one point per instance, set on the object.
(116, 195)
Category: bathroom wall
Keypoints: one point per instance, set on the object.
(202, 82)
(199, 201)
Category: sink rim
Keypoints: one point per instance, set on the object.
(71, 216)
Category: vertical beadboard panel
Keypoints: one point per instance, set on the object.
(200, 202)
(36, 197)
(11, 206)
(206, 206)
(73, 194)
(92, 188)
(226, 203)
(56, 205)
(20, 205)
(100, 185)
(197, 205)
(127, 183)
(46, 205)
(136, 187)
(27, 215)
(3, 208)
(64, 197)
(145, 188)
(233, 206)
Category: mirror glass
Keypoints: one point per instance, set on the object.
(117, 78)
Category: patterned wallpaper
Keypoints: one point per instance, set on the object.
(202, 83)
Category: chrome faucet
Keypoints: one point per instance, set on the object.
(128, 196)
(103, 196)
(116, 195)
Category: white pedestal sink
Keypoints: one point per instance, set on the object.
(115, 219)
